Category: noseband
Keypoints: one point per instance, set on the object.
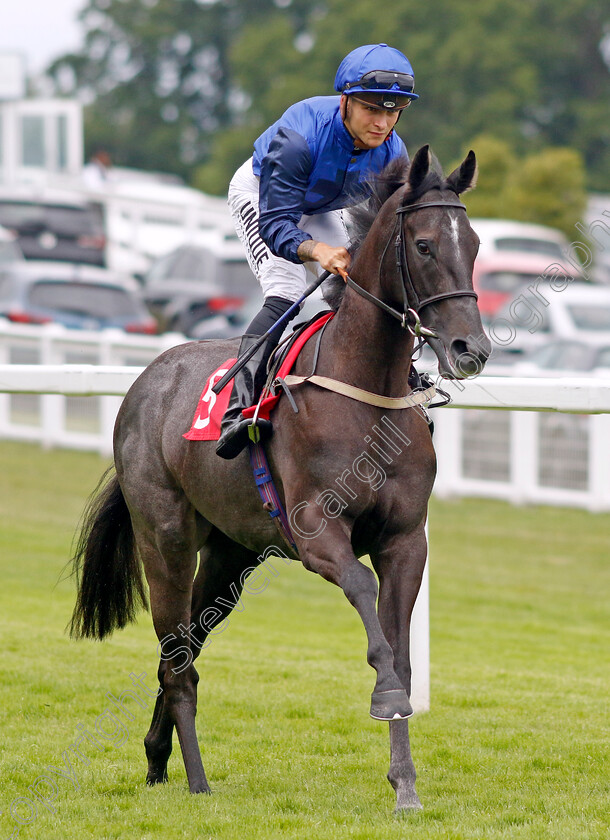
(410, 318)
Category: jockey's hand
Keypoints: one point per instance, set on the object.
(331, 259)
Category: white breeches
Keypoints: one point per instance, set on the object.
(278, 277)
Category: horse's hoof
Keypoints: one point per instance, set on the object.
(390, 705)
(407, 800)
(154, 778)
(202, 789)
(407, 808)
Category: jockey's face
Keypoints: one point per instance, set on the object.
(369, 126)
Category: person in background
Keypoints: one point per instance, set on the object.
(96, 173)
(287, 199)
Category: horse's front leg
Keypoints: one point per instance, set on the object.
(400, 566)
(332, 557)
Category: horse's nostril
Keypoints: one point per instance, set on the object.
(459, 347)
(469, 357)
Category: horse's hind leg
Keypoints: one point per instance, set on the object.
(168, 551)
(158, 741)
(222, 570)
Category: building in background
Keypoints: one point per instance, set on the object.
(38, 137)
(145, 215)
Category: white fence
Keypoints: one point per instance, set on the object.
(554, 450)
(45, 406)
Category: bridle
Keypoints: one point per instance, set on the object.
(412, 303)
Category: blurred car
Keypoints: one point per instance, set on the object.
(77, 296)
(497, 277)
(596, 221)
(579, 312)
(185, 313)
(233, 324)
(562, 358)
(227, 324)
(193, 283)
(9, 247)
(501, 236)
(54, 225)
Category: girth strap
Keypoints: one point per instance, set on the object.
(408, 401)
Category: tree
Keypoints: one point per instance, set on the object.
(157, 77)
(528, 72)
(496, 163)
(269, 90)
(549, 188)
(546, 187)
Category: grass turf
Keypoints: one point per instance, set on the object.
(515, 745)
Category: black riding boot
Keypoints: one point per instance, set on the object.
(247, 385)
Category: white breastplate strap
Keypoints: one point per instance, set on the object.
(409, 401)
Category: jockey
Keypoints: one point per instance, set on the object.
(286, 200)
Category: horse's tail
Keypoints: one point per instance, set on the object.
(108, 572)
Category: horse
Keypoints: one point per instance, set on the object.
(169, 500)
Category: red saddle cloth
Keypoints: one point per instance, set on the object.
(211, 407)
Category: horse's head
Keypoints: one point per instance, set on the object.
(436, 250)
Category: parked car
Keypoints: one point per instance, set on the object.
(77, 296)
(564, 358)
(497, 277)
(9, 247)
(54, 225)
(501, 236)
(227, 324)
(233, 324)
(184, 312)
(579, 312)
(193, 283)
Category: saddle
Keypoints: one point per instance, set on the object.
(282, 361)
(211, 407)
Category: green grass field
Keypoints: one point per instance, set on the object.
(515, 745)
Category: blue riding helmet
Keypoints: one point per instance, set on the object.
(376, 69)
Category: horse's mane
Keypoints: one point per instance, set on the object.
(361, 216)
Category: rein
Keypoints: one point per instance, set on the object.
(411, 300)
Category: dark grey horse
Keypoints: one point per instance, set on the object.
(355, 478)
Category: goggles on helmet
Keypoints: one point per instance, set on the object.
(384, 80)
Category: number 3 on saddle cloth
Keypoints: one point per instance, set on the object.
(210, 409)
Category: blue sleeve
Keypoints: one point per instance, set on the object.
(398, 147)
(285, 171)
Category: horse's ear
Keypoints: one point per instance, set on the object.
(465, 176)
(419, 167)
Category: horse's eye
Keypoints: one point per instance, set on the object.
(422, 246)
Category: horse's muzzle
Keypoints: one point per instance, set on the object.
(464, 357)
